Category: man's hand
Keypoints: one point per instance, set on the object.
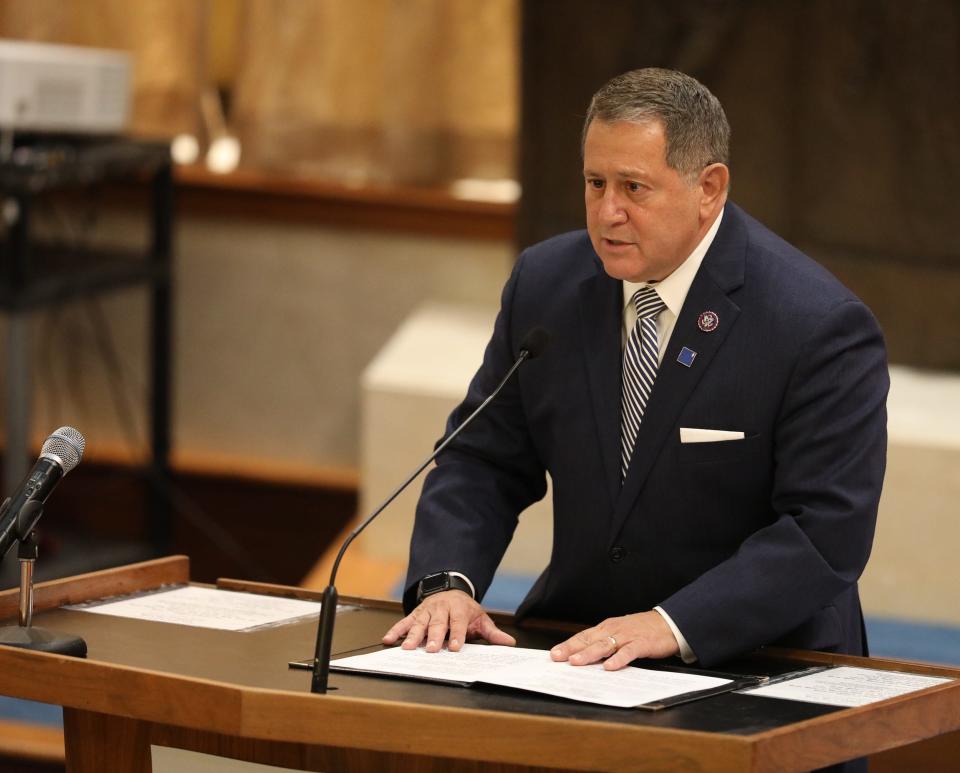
(453, 611)
(620, 640)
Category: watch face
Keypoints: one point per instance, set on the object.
(434, 583)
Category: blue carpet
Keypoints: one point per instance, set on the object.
(507, 591)
(15, 710)
(904, 640)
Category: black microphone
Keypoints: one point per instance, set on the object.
(532, 345)
(61, 452)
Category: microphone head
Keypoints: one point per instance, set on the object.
(534, 342)
(66, 446)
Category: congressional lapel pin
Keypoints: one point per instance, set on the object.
(708, 321)
(686, 356)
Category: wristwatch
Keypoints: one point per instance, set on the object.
(441, 581)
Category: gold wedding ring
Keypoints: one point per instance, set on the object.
(613, 641)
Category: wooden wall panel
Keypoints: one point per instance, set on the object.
(383, 90)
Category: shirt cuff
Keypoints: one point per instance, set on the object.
(473, 590)
(686, 653)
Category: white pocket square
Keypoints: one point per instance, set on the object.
(697, 435)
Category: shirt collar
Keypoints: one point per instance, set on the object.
(673, 290)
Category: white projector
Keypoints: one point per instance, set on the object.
(54, 88)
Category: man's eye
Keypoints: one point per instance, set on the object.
(596, 184)
(634, 187)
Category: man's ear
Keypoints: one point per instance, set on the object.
(714, 181)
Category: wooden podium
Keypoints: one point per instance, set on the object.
(232, 695)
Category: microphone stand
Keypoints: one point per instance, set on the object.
(328, 602)
(23, 634)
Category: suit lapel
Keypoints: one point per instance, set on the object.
(601, 301)
(720, 273)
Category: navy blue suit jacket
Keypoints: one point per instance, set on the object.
(744, 543)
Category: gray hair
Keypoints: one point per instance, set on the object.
(696, 128)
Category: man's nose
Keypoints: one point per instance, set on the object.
(611, 207)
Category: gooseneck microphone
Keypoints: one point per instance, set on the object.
(532, 345)
(61, 452)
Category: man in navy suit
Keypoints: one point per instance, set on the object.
(711, 411)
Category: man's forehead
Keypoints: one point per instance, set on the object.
(646, 138)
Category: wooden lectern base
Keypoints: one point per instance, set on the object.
(129, 750)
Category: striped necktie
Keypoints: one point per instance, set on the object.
(639, 370)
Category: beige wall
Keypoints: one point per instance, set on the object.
(274, 325)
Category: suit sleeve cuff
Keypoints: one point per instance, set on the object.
(686, 653)
(462, 576)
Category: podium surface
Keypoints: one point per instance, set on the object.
(232, 694)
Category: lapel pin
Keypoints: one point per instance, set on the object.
(686, 356)
(708, 321)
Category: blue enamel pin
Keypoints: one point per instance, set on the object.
(686, 356)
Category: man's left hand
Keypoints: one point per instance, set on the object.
(620, 640)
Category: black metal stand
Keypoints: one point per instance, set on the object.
(321, 658)
(25, 635)
(38, 273)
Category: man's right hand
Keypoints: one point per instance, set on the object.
(450, 611)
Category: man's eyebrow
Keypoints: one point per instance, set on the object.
(623, 174)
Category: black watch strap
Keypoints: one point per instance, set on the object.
(441, 581)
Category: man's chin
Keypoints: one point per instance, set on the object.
(628, 269)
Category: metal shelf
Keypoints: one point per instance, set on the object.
(61, 274)
(36, 274)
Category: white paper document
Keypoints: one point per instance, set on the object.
(529, 669)
(847, 686)
(207, 608)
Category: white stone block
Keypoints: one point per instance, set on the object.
(914, 572)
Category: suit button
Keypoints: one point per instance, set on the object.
(617, 554)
